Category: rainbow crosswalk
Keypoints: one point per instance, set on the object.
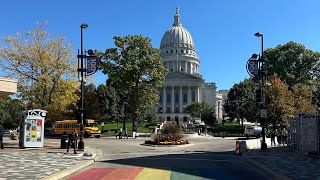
(140, 173)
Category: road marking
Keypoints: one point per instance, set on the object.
(154, 174)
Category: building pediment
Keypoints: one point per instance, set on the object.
(181, 75)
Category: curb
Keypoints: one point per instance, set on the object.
(75, 168)
(66, 172)
(266, 170)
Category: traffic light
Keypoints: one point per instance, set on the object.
(259, 96)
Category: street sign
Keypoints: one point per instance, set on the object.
(263, 113)
(252, 67)
(92, 65)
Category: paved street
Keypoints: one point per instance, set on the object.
(204, 158)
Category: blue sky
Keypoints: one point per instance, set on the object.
(223, 31)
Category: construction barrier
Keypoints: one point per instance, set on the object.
(237, 151)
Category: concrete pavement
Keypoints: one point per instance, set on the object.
(282, 163)
(48, 162)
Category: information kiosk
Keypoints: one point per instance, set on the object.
(32, 128)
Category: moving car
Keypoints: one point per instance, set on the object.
(255, 131)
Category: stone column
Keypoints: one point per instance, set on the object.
(189, 95)
(185, 66)
(172, 99)
(164, 100)
(197, 94)
(180, 99)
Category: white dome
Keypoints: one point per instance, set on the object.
(177, 34)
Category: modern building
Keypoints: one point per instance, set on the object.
(183, 84)
(7, 86)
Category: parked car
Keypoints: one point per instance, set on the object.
(255, 131)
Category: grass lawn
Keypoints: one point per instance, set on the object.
(142, 128)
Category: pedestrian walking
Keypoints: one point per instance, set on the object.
(120, 133)
(284, 133)
(72, 141)
(1, 135)
(273, 138)
(116, 133)
(279, 136)
(126, 132)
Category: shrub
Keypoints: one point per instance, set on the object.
(168, 133)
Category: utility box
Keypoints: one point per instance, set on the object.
(32, 128)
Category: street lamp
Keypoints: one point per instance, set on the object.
(262, 76)
(81, 108)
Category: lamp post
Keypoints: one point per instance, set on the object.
(81, 108)
(262, 77)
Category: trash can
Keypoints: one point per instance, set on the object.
(64, 142)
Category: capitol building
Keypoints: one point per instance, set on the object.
(184, 83)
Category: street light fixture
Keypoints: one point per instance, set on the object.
(82, 71)
(262, 76)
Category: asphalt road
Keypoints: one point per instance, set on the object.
(203, 158)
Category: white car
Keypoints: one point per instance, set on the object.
(255, 131)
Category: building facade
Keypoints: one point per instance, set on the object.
(183, 84)
(8, 86)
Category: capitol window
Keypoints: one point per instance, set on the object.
(167, 52)
(181, 51)
(171, 51)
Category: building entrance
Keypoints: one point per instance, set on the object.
(177, 120)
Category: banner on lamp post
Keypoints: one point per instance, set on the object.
(92, 65)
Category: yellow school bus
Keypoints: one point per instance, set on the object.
(68, 126)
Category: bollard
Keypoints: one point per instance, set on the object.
(237, 151)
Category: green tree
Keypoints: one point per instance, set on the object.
(10, 112)
(241, 102)
(136, 67)
(294, 64)
(91, 100)
(45, 69)
(203, 111)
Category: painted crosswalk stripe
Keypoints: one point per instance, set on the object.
(154, 174)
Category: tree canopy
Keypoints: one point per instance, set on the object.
(202, 110)
(279, 102)
(294, 64)
(137, 69)
(241, 103)
(45, 69)
(10, 112)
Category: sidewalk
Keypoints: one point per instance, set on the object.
(282, 163)
(49, 162)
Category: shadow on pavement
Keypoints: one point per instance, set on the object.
(211, 165)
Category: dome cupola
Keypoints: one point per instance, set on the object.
(177, 48)
(177, 34)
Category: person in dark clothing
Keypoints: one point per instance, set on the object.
(1, 135)
(273, 138)
(72, 142)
